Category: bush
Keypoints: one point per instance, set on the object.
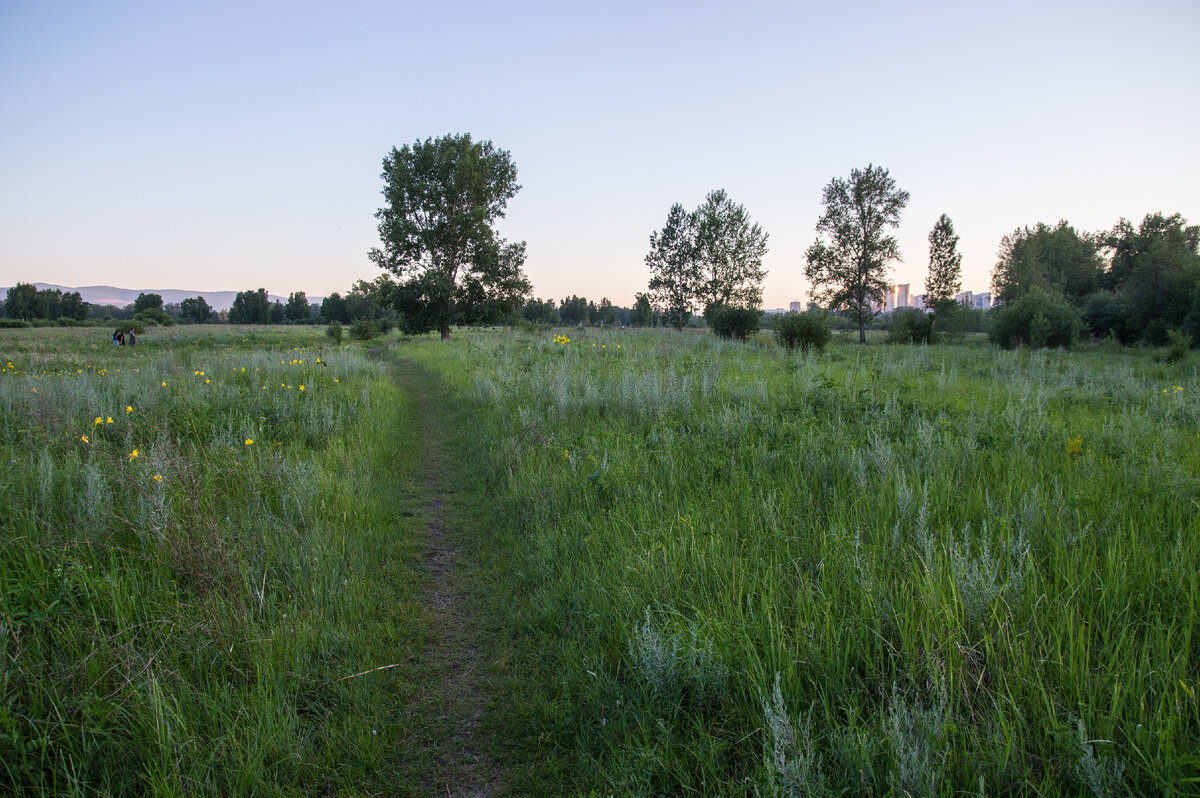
(1037, 319)
(808, 330)
(910, 326)
(334, 331)
(1178, 346)
(364, 330)
(152, 317)
(1105, 314)
(13, 324)
(729, 322)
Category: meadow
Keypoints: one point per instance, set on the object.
(874, 571)
(200, 541)
(708, 568)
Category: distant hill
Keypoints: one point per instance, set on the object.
(111, 295)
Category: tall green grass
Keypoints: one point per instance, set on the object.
(729, 570)
(183, 621)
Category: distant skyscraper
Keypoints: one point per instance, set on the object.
(983, 301)
(896, 296)
(918, 301)
(965, 298)
(797, 306)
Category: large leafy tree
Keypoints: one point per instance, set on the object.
(443, 197)
(1155, 269)
(297, 308)
(729, 251)
(1057, 259)
(848, 266)
(251, 307)
(195, 310)
(22, 302)
(674, 274)
(945, 265)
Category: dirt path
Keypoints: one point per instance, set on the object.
(452, 664)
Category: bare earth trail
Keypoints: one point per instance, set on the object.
(454, 669)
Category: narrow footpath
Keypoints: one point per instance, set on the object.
(452, 666)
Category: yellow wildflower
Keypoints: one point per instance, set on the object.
(249, 441)
(133, 455)
(1075, 447)
(128, 409)
(84, 438)
(157, 477)
(98, 420)
(302, 387)
(108, 420)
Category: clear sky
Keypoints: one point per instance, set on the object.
(233, 145)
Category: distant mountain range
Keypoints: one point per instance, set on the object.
(111, 295)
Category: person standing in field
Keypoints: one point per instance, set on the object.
(132, 337)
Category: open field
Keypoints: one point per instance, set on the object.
(703, 567)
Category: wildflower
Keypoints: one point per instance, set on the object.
(206, 382)
(1178, 388)
(335, 379)
(302, 387)
(33, 390)
(157, 478)
(108, 420)
(164, 384)
(98, 420)
(249, 441)
(128, 409)
(133, 455)
(1075, 447)
(84, 438)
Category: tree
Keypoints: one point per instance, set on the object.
(674, 275)
(848, 270)
(606, 312)
(572, 311)
(146, 301)
(443, 197)
(333, 308)
(277, 314)
(729, 252)
(21, 302)
(195, 310)
(1155, 271)
(945, 265)
(251, 307)
(642, 314)
(297, 309)
(1056, 259)
(540, 311)
(49, 303)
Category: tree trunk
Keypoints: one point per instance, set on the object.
(445, 331)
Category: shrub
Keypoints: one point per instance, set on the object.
(1178, 346)
(1105, 315)
(334, 331)
(13, 324)
(910, 326)
(807, 330)
(1037, 319)
(364, 330)
(730, 322)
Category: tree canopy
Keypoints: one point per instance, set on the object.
(848, 267)
(1056, 259)
(674, 275)
(443, 197)
(945, 265)
(729, 251)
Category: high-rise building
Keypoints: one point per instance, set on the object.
(982, 301)
(796, 305)
(965, 298)
(918, 301)
(896, 296)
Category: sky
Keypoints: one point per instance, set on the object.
(233, 145)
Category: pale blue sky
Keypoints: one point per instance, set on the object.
(236, 145)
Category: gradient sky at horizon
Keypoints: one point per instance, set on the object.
(226, 146)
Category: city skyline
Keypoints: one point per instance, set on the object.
(228, 148)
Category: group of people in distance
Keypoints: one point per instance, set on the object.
(122, 337)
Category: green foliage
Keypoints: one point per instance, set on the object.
(848, 267)
(1054, 259)
(297, 308)
(195, 310)
(443, 198)
(366, 330)
(1105, 314)
(147, 302)
(1038, 319)
(728, 251)
(910, 326)
(733, 322)
(808, 331)
(540, 311)
(945, 265)
(1178, 345)
(153, 317)
(642, 314)
(13, 324)
(674, 273)
(251, 307)
(334, 331)
(1155, 271)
